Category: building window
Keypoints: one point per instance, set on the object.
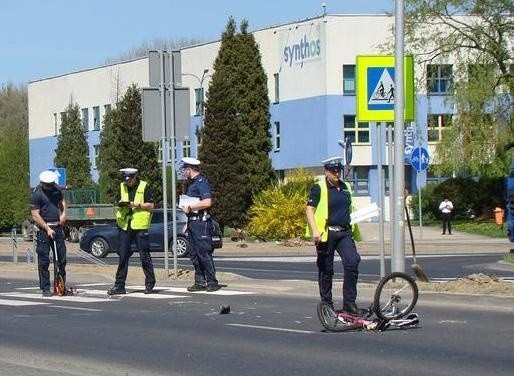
(349, 79)
(437, 125)
(276, 136)
(186, 148)
(358, 133)
(358, 177)
(439, 78)
(85, 119)
(199, 101)
(276, 78)
(96, 118)
(56, 126)
(96, 149)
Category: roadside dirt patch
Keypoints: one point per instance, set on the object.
(472, 284)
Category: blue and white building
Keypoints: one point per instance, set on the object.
(311, 72)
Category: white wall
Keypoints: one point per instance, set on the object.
(94, 87)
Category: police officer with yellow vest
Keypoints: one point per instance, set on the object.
(133, 216)
(328, 217)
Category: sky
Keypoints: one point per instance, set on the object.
(46, 38)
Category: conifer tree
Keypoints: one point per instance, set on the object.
(236, 139)
(121, 145)
(72, 149)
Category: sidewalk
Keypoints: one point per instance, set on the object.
(429, 240)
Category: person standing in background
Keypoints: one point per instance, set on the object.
(446, 208)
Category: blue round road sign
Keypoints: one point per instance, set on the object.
(419, 159)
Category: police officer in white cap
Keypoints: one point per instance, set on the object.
(199, 227)
(328, 217)
(133, 216)
(48, 210)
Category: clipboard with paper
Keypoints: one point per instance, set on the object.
(367, 212)
(185, 201)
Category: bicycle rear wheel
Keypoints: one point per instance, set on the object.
(395, 296)
(331, 322)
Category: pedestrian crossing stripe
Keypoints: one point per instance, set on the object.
(100, 296)
(184, 290)
(78, 299)
(19, 303)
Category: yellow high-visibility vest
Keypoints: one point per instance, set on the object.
(139, 219)
(321, 212)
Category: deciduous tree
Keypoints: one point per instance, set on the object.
(477, 35)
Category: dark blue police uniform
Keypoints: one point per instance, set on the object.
(48, 201)
(339, 239)
(199, 230)
(140, 237)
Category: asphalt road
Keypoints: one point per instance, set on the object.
(438, 267)
(182, 334)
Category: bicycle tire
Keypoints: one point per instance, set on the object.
(395, 296)
(329, 320)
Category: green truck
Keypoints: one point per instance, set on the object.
(83, 211)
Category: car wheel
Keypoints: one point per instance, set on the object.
(99, 247)
(182, 247)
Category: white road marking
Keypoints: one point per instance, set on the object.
(74, 298)
(18, 303)
(77, 308)
(184, 290)
(273, 328)
(453, 322)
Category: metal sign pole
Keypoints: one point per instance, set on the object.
(391, 184)
(164, 147)
(399, 175)
(419, 202)
(380, 178)
(175, 78)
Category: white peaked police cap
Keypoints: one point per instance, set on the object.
(334, 162)
(190, 162)
(47, 177)
(128, 171)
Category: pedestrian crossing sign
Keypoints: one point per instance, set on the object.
(375, 89)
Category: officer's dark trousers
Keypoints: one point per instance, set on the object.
(200, 239)
(447, 221)
(343, 243)
(143, 246)
(43, 252)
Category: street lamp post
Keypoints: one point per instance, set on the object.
(200, 81)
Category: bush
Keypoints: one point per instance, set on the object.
(278, 212)
(467, 195)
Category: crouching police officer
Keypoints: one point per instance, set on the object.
(328, 217)
(133, 216)
(48, 210)
(199, 227)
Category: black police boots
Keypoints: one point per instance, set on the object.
(352, 309)
(116, 290)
